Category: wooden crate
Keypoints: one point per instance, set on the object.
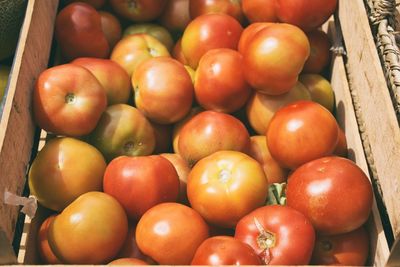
(38, 40)
(16, 125)
(375, 111)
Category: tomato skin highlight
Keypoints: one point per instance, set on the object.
(333, 192)
(225, 250)
(280, 235)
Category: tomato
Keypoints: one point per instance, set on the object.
(274, 57)
(63, 170)
(128, 261)
(259, 151)
(261, 108)
(68, 100)
(138, 10)
(248, 34)
(163, 135)
(155, 30)
(225, 250)
(79, 33)
(176, 15)
(177, 52)
(333, 192)
(163, 90)
(226, 186)
(208, 32)
(306, 14)
(280, 235)
(320, 54)
(259, 10)
(170, 233)
(136, 48)
(45, 252)
(179, 125)
(209, 132)
(111, 76)
(183, 169)
(130, 249)
(111, 28)
(320, 89)
(349, 249)
(123, 130)
(140, 183)
(94, 222)
(228, 7)
(341, 147)
(301, 132)
(219, 81)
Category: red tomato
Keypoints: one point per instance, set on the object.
(306, 14)
(136, 48)
(45, 252)
(280, 235)
(95, 3)
(226, 186)
(350, 249)
(79, 33)
(111, 76)
(274, 58)
(111, 28)
(68, 100)
(138, 10)
(219, 81)
(248, 34)
(176, 15)
(183, 169)
(170, 233)
(128, 261)
(259, 151)
(320, 54)
(228, 7)
(225, 250)
(130, 249)
(163, 90)
(261, 108)
(140, 183)
(259, 10)
(209, 132)
(208, 32)
(94, 222)
(301, 132)
(63, 170)
(333, 192)
(123, 130)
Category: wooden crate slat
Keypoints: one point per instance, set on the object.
(16, 125)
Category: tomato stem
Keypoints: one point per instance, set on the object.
(277, 194)
(70, 98)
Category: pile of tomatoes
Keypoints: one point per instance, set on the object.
(172, 137)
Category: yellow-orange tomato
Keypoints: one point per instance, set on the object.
(260, 108)
(128, 261)
(274, 172)
(248, 34)
(136, 48)
(226, 186)
(274, 58)
(208, 32)
(163, 90)
(63, 170)
(95, 222)
(229, 7)
(320, 89)
(170, 233)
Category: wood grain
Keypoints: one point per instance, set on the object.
(16, 126)
(379, 120)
